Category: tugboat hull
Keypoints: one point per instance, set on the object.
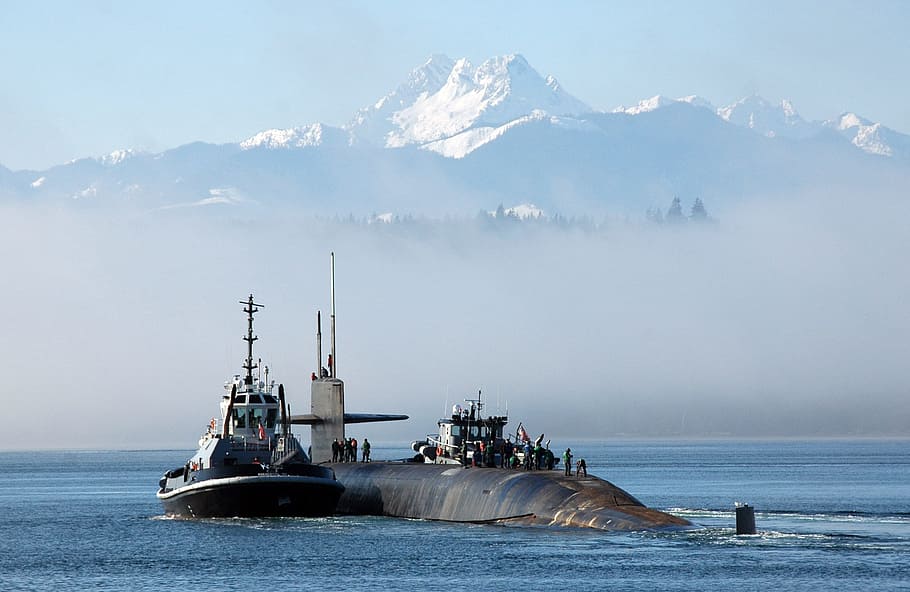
(253, 496)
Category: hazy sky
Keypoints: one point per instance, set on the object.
(86, 78)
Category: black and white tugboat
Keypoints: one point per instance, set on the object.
(249, 463)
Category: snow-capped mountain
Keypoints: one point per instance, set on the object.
(870, 137)
(118, 156)
(782, 120)
(774, 121)
(435, 105)
(459, 138)
(658, 101)
(307, 136)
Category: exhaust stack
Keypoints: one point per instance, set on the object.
(229, 412)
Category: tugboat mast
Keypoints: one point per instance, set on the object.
(250, 309)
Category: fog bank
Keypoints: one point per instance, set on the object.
(784, 318)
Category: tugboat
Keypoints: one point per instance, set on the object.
(250, 464)
(468, 438)
(460, 436)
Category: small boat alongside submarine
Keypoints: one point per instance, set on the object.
(253, 465)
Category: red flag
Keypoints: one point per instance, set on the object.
(261, 432)
(522, 434)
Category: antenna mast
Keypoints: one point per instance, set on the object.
(319, 343)
(250, 309)
(334, 359)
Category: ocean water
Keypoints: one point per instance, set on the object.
(831, 515)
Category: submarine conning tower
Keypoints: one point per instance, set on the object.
(327, 416)
(326, 403)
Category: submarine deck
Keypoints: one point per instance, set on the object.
(489, 495)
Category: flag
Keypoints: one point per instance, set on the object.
(522, 434)
(261, 432)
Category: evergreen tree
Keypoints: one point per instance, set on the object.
(500, 212)
(674, 214)
(654, 215)
(699, 213)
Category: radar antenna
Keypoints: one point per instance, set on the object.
(476, 403)
(250, 309)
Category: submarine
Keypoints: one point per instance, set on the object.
(444, 487)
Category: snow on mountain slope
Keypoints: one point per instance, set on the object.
(460, 145)
(658, 101)
(117, 156)
(870, 137)
(767, 119)
(536, 140)
(372, 124)
(500, 90)
(316, 134)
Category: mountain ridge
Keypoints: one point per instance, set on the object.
(459, 137)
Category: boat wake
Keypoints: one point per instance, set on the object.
(844, 516)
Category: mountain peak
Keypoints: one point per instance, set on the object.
(847, 120)
(437, 103)
(659, 101)
(762, 116)
(117, 156)
(315, 134)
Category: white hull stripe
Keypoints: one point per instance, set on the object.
(247, 480)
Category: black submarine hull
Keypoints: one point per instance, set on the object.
(489, 495)
(254, 496)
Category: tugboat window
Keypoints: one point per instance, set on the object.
(270, 418)
(240, 399)
(257, 416)
(255, 399)
(239, 418)
(270, 399)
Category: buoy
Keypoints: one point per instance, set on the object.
(745, 519)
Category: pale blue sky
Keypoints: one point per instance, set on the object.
(86, 78)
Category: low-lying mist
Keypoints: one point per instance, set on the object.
(787, 317)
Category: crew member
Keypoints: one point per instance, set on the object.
(567, 458)
(581, 468)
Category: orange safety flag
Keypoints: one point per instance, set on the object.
(261, 432)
